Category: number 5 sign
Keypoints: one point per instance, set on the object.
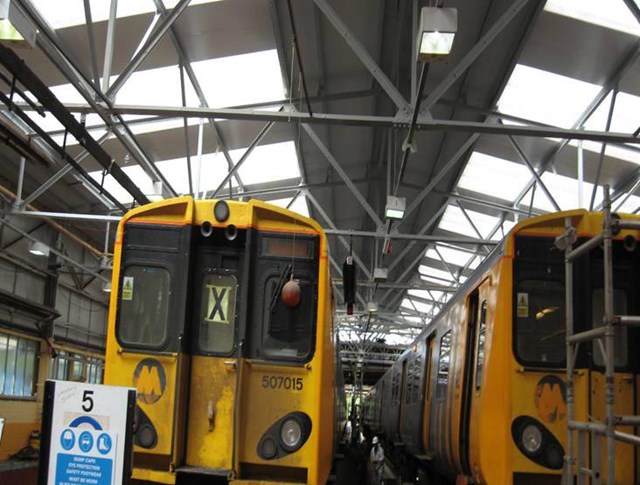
(86, 436)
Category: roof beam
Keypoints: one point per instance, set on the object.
(362, 120)
(343, 175)
(363, 55)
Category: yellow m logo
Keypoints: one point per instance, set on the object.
(150, 380)
(550, 399)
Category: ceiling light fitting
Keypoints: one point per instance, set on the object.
(39, 248)
(395, 207)
(438, 27)
(15, 28)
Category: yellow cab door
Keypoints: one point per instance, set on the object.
(217, 285)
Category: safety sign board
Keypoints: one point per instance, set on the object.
(86, 434)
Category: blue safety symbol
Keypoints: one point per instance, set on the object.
(85, 420)
(85, 442)
(104, 444)
(67, 439)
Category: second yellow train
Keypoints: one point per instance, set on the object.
(481, 395)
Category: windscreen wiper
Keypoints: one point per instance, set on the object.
(278, 288)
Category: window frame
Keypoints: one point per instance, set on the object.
(167, 337)
(31, 345)
(442, 385)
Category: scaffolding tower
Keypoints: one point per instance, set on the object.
(603, 336)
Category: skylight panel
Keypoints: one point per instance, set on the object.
(625, 114)
(67, 13)
(629, 204)
(166, 88)
(565, 192)
(503, 231)
(546, 97)
(612, 15)
(493, 176)
(268, 163)
(613, 151)
(454, 220)
(213, 169)
(416, 305)
(242, 79)
(137, 176)
(428, 295)
(226, 81)
(434, 275)
(299, 205)
(451, 256)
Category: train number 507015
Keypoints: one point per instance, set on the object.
(282, 382)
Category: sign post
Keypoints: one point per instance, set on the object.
(87, 432)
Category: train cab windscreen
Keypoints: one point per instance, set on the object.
(144, 303)
(539, 303)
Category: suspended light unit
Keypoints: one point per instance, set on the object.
(437, 29)
(395, 207)
(38, 248)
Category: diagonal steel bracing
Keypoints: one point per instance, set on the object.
(144, 50)
(186, 63)
(363, 55)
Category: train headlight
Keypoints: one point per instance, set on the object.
(287, 435)
(531, 439)
(291, 434)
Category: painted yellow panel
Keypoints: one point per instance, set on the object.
(210, 420)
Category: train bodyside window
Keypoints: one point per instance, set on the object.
(443, 365)
(482, 330)
(144, 305)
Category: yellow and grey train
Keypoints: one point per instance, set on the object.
(221, 318)
(481, 395)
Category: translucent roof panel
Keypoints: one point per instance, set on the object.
(565, 191)
(494, 176)
(625, 113)
(454, 220)
(226, 81)
(299, 205)
(546, 97)
(450, 255)
(135, 173)
(268, 163)
(614, 15)
(433, 275)
(67, 13)
(416, 305)
(627, 204)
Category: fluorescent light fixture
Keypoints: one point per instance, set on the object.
(395, 207)
(380, 274)
(372, 306)
(438, 27)
(39, 248)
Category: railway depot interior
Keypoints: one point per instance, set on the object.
(421, 290)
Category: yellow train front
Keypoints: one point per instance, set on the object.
(221, 317)
(481, 395)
